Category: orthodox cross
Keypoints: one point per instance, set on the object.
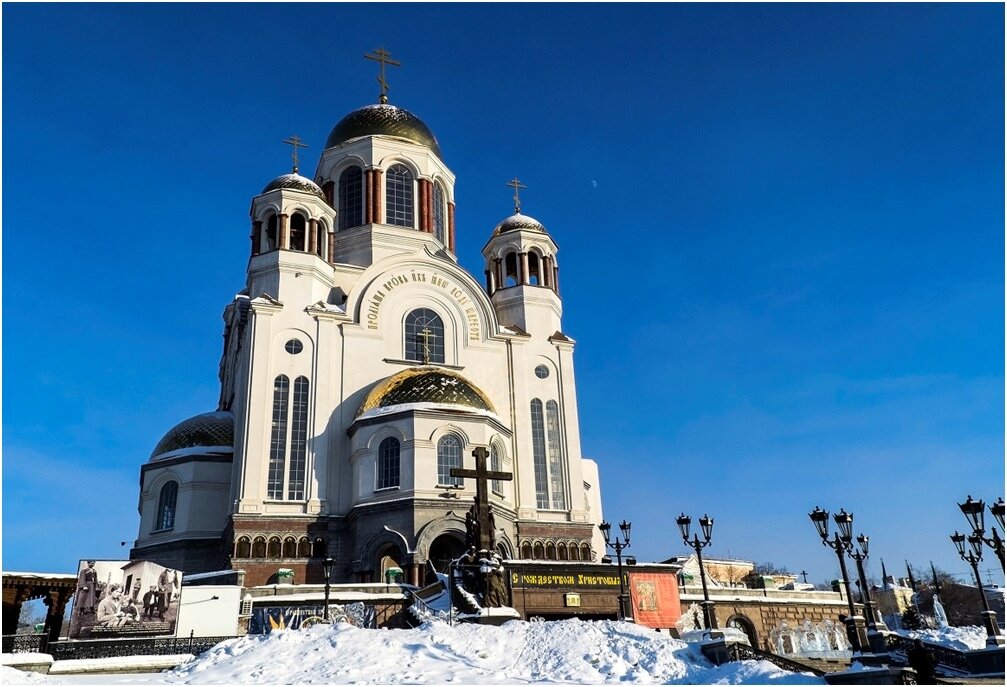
(482, 476)
(383, 57)
(515, 183)
(295, 142)
(805, 576)
(426, 334)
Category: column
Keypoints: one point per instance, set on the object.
(256, 237)
(332, 247)
(329, 188)
(368, 196)
(546, 269)
(500, 275)
(377, 215)
(284, 237)
(312, 235)
(523, 268)
(451, 227)
(555, 278)
(489, 282)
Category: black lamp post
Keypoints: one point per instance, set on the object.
(842, 543)
(618, 546)
(327, 571)
(973, 557)
(706, 524)
(859, 554)
(974, 511)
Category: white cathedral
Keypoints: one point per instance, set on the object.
(360, 364)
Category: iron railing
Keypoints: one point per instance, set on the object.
(25, 644)
(743, 652)
(948, 660)
(140, 646)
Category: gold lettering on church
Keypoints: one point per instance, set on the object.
(456, 293)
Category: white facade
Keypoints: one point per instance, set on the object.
(358, 337)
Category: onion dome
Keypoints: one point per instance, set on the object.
(206, 433)
(383, 120)
(518, 221)
(295, 182)
(426, 385)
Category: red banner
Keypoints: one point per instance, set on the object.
(655, 599)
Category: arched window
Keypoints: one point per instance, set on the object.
(496, 464)
(557, 478)
(440, 225)
(298, 440)
(318, 548)
(538, 455)
(424, 334)
(449, 455)
(271, 243)
(304, 548)
(388, 463)
(526, 551)
(298, 232)
(278, 440)
(534, 269)
(561, 551)
(274, 548)
(259, 547)
(574, 552)
(166, 506)
(320, 233)
(290, 548)
(351, 198)
(510, 270)
(539, 553)
(243, 548)
(399, 196)
(550, 551)
(585, 552)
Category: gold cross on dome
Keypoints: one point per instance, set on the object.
(515, 183)
(295, 142)
(383, 57)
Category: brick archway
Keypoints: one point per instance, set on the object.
(55, 590)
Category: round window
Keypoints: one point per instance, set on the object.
(294, 347)
(541, 371)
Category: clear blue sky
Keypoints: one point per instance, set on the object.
(781, 233)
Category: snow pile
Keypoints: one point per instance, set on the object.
(569, 651)
(961, 638)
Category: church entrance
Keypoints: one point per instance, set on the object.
(445, 549)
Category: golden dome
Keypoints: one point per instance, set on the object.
(383, 120)
(295, 182)
(425, 385)
(518, 221)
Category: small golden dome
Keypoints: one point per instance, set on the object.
(383, 120)
(518, 221)
(295, 182)
(425, 385)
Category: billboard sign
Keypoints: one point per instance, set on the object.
(124, 599)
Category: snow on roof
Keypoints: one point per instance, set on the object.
(194, 451)
(39, 576)
(426, 405)
(206, 575)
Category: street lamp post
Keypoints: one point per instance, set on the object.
(618, 546)
(706, 524)
(841, 544)
(974, 511)
(327, 571)
(973, 557)
(859, 553)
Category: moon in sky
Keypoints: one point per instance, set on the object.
(594, 184)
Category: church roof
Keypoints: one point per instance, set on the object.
(426, 385)
(209, 430)
(518, 221)
(295, 182)
(383, 120)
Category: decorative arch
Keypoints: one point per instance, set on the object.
(400, 195)
(423, 332)
(304, 548)
(259, 547)
(450, 454)
(275, 548)
(289, 548)
(742, 622)
(350, 190)
(388, 468)
(585, 552)
(448, 524)
(298, 230)
(526, 550)
(318, 548)
(243, 548)
(167, 505)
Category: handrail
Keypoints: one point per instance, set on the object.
(743, 652)
(948, 659)
(425, 607)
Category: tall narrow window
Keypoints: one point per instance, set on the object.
(298, 232)
(399, 196)
(351, 198)
(166, 506)
(557, 480)
(534, 269)
(510, 270)
(439, 223)
(495, 465)
(449, 455)
(388, 463)
(278, 442)
(538, 455)
(298, 440)
(424, 332)
(271, 233)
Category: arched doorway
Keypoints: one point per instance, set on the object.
(444, 549)
(740, 622)
(388, 557)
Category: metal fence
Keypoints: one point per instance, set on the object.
(140, 646)
(743, 652)
(25, 644)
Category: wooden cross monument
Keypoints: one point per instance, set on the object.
(481, 514)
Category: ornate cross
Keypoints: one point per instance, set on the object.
(295, 142)
(426, 334)
(383, 57)
(482, 476)
(515, 183)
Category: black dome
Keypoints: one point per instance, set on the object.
(206, 430)
(383, 120)
(295, 182)
(518, 221)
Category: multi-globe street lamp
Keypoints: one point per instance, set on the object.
(973, 556)
(859, 554)
(618, 546)
(841, 544)
(706, 524)
(974, 512)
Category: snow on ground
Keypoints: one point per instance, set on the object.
(961, 638)
(562, 652)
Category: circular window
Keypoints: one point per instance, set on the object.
(541, 371)
(294, 346)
